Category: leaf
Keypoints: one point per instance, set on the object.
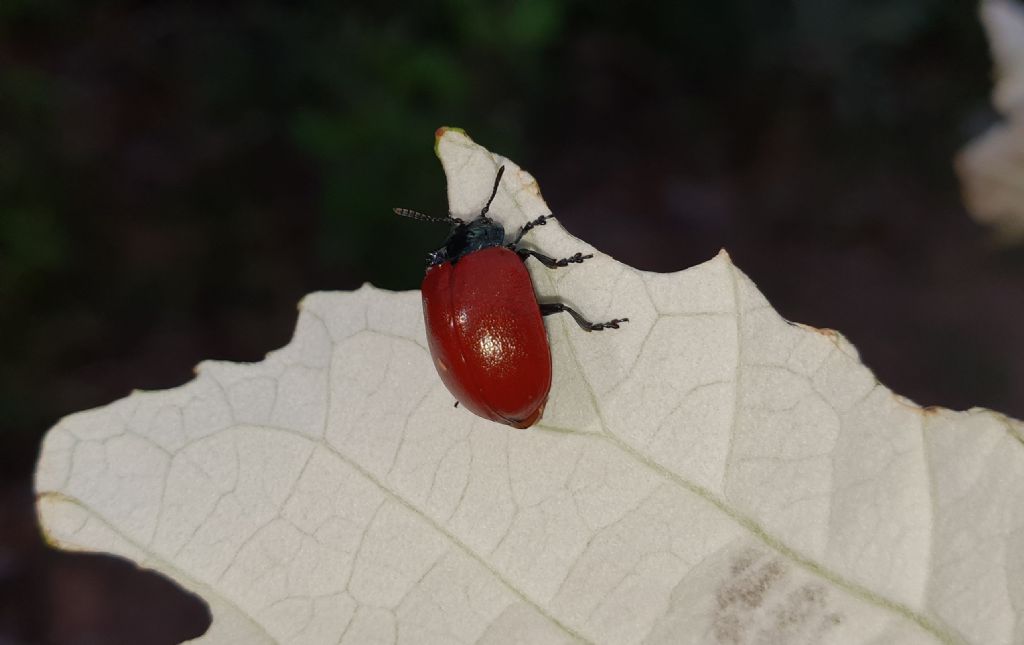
(710, 473)
(991, 167)
(1004, 24)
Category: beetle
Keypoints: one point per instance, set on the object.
(483, 320)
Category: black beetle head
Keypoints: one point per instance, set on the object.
(467, 237)
(464, 237)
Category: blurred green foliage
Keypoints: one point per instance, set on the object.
(195, 167)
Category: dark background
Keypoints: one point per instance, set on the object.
(175, 176)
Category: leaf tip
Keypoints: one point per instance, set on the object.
(443, 130)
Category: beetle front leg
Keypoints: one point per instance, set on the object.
(548, 308)
(529, 226)
(550, 262)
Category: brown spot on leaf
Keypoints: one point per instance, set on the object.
(750, 587)
(751, 578)
(830, 334)
(764, 601)
(799, 605)
(743, 561)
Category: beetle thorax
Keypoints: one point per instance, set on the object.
(467, 237)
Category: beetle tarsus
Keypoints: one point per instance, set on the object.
(548, 308)
(529, 226)
(550, 262)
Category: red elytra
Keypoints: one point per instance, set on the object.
(486, 335)
(483, 321)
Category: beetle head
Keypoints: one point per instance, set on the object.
(464, 237)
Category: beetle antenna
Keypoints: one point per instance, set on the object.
(494, 192)
(411, 214)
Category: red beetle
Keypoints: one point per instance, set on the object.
(483, 320)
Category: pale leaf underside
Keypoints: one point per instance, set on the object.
(709, 473)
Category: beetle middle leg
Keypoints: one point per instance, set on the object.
(548, 308)
(550, 262)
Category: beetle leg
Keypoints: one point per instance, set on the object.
(548, 308)
(552, 263)
(540, 221)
